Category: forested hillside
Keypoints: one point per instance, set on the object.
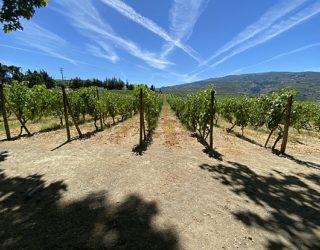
(307, 83)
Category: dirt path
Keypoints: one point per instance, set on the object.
(97, 192)
(170, 132)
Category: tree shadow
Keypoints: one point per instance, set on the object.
(4, 155)
(50, 129)
(315, 178)
(17, 137)
(247, 139)
(90, 134)
(117, 121)
(41, 131)
(308, 164)
(293, 206)
(63, 144)
(85, 136)
(140, 149)
(300, 142)
(212, 153)
(43, 221)
(57, 127)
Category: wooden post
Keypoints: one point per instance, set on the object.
(211, 118)
(23, 124)
(101, 123)
(143, 121)
(66, 113)
(4, 113)
(73, 118)
(144, 125)
(269, 136)
(286, 125)
(141, 117)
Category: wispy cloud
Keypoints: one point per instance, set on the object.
(276, 30)
(33, 51)
(41, 39)
(166, 74)
(85, 17)
(277, 57)
(23, 49)
(183, 17)
(102, 52)
(130, 13)
(264, 22)
(273, 31)
(149, 57)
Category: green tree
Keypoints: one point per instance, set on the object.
(97, 82)
(130, 87)
(47, 80)
(13, 10)
(76, 83)
(88, 83)
(33, 78)
(36, 78)
(9, 73)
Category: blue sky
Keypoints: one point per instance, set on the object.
(169, 41)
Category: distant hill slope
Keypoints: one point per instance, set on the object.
(307, 83)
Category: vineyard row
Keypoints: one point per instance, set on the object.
(273, 111)
(32, 104)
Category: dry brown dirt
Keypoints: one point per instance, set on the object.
(98, 193)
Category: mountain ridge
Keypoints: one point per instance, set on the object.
(307, 83)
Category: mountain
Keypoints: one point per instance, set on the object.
(307, 84)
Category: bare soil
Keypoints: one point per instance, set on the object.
(97, 193)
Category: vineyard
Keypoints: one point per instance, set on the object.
(33, 104)
(143, 180)
(274, 113)
(96, 152)
(265, 111)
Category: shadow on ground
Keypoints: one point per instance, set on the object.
(88, 135)
(247, 139)
(308, 164)
(293, 206)
(140, 149)
(207, 150)
(315, 178)
(17, 137)
(3, 155)
(33, 217)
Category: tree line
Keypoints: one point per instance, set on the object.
(108, 83)
(32, 78)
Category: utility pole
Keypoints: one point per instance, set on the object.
(61, 71)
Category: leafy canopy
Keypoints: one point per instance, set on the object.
(13, 10)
